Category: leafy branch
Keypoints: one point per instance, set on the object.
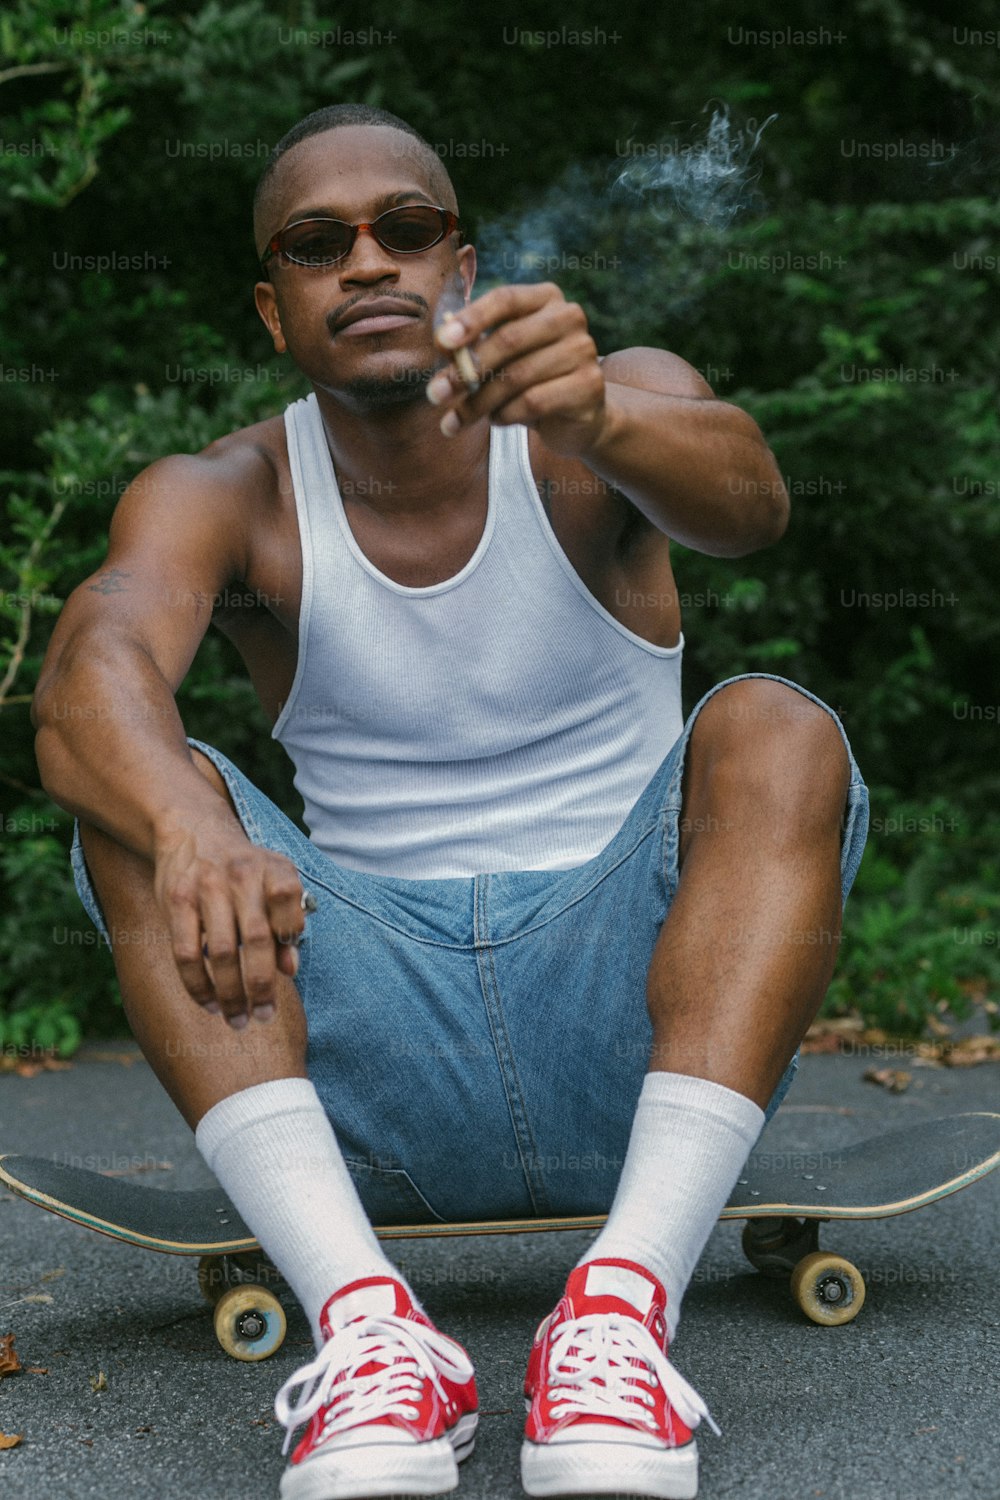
(29, 591)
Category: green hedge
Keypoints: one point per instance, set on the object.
(850, 309)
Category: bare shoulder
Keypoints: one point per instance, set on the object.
(244, 465)
(205, 501)
(648, 369)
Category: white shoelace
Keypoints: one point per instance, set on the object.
(605, 1345)
(423, 1354)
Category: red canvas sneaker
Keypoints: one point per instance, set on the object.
(390, 1401)
(607, 1412)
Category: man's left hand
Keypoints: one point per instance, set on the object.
(537, 365)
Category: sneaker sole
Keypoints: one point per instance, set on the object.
(594, 1468)
(373, 1470)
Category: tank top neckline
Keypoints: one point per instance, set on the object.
(351, 541)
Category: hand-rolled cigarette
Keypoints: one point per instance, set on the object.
(464, 362)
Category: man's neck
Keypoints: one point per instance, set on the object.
(397, 462)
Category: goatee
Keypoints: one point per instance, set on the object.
(380, 392)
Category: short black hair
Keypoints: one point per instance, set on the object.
(333, 115)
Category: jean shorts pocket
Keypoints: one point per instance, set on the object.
(390, 1196)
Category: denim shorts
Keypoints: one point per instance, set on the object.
(479, 1042)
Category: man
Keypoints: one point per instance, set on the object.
(552, 923)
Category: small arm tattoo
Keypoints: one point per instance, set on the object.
(110, 582)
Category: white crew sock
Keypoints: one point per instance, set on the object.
(274, 1153)
(689, 1142)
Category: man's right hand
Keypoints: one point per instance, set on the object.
(234, 911)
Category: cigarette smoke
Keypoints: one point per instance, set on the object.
(451, 301)
(637, 241)
(708, 182)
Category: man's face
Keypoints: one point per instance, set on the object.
(355, 173)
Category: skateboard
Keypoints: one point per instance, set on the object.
(783, 1195)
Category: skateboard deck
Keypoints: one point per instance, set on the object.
(784, 1196)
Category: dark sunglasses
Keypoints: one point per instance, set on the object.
(323, 242)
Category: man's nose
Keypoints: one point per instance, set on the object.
(367, 259)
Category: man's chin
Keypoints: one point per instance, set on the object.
(371, 393)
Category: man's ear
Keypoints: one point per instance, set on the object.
(267, 306)
(467, 268)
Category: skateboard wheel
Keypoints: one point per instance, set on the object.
(828, 1288)
(249, 1322)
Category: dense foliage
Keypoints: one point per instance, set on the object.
(850, 305)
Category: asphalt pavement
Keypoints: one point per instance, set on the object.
(130, 1392)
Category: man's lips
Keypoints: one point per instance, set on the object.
(377, 315)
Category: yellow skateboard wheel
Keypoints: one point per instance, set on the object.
(828, 1288)
(249, 1322)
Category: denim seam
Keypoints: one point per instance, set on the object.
(386, 1173)
(575, 900)
(504, 1053)
(375, 916)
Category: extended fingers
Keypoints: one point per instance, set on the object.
(187, 942)
(235, 924)
(232, 936)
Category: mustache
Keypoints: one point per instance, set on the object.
(412, 298)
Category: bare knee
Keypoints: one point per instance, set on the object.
(766, 724)
(769, 745)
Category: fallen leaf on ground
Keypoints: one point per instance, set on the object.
(845, 1025)
(12, 1441)
(37, 1369)
(99, 1382)
(9, 1362)
(849, 1034)
(970, 1050)
(896, 1080)
(822, 1042)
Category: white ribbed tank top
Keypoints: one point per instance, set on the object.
(502, 719)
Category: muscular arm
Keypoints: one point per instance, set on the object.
(696, 467)
(111, 747)
(641, 419)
